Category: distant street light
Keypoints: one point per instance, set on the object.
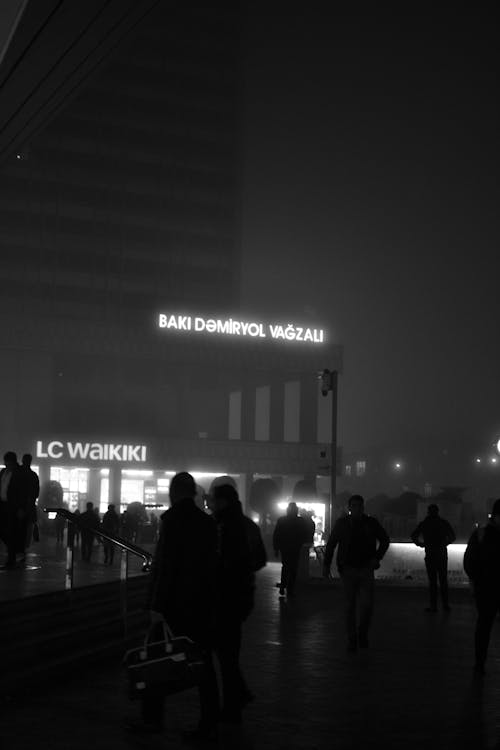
(494, 460)
(397, 465)
(478, 460)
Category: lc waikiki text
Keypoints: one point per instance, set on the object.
(232, 327)
(93, 451)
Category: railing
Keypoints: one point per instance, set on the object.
(127, 548)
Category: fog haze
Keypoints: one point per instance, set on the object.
(370, 204)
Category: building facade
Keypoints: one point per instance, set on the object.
(123, 208)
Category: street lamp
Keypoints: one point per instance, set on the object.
(329, 381)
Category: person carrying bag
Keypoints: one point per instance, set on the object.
(169, 665)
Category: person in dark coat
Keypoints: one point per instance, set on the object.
(254, 537)
(482, 565)
(32, 490)
(13, 508)
(290, 533)
(235, 588)
(91, 522)
(362, 543)
(435, 534)
(182, 593)
(110, 525)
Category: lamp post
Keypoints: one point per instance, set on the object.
(329, 382)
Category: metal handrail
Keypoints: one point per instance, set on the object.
(122, 543)
(126, 548)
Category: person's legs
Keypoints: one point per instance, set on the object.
(152, 707)
(366, 590)
(350, 583)
(443, 581)
(284, 574)
(293, 565)
(488, 604)
(209, 696)
(431, 569)
(228, 653)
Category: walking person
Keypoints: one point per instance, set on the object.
(91, 522)
(32, 490)
(482, 565)
(362, 543)
(434, 534)
(235, 588)
(13, 512)
(290, 534)
(182, 593)
(110, 525)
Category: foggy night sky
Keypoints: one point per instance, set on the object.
(370, 204)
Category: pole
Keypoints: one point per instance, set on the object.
(333, 448)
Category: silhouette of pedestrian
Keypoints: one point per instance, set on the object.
(12, 508)
(234, 596)
(362, 543)
(290, 534)
(111, 525)
(32, 490)
(60, 524)
(482, 565)
(87, 533)
(434, 534)
(254, 537)
(307, 515)
(183, 594)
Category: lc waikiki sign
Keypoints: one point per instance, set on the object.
(247, 328)
(58, 450)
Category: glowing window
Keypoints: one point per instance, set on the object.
(360, 468)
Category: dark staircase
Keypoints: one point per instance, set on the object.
(44, 638)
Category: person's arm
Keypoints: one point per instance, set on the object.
(383, 541)
(415, 536)
(162, 569)
(450, 534)
(277, 537)
(331, 544)
(471, 557)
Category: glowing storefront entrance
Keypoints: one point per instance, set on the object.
(74, 481)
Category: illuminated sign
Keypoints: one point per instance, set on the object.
(247, 328)
(93, 451)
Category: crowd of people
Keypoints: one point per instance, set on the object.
(205, 589)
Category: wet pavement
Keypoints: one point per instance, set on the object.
(413, 688)
(45, 567)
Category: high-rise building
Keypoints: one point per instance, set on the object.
(125, 206)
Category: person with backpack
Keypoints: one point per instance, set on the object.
(482, 566)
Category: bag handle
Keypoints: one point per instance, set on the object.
(168, 636)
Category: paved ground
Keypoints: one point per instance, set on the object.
(414, 688)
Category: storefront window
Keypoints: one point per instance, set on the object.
(75, 484)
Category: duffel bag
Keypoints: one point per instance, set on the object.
(169, 665)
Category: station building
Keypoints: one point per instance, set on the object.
(119, 221)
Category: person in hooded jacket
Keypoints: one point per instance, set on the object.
(482, 565)
(235, 587)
